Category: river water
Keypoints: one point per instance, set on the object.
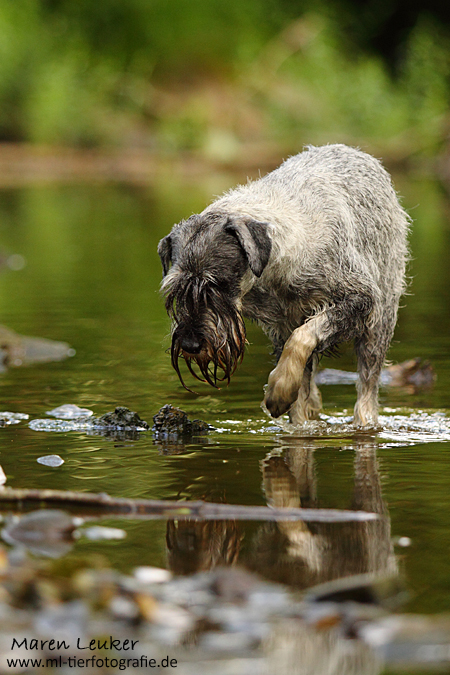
(80, 266)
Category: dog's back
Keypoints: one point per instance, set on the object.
(333, 212)
(334, 198)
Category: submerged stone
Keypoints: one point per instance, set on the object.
(21, 350)
(69, 411)
(7, 418)
(47, 532)
(412, 375)
(50, 460)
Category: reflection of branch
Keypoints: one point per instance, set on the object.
(102, 503)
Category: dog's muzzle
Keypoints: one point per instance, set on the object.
(215, 360)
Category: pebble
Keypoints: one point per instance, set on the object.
(50, 460)
(151, 575)
(99, 533)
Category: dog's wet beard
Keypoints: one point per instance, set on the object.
(216, 363)
(199, 309)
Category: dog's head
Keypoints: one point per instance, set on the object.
(204, 260)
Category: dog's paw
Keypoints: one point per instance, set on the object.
(281, 393)
(275, 407)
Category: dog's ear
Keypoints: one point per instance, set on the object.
(165, 253)
(254, 238)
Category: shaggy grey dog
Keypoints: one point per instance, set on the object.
(315, 253)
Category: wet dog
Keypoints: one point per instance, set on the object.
(315, 253)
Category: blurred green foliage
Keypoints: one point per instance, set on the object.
(173, 75)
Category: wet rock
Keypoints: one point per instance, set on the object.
(413, 375)
(335, 376)
(364, 589)
(147, 604)
(233, 584)
(47, 533)
(100, 533)
(50, 460)
(151, 575)
(171, 421)
(124, 608)
(20, 350)
(63, 621)
(173, 617)
(122, 423)
(227, 642)
(187, 618)
(410, 641)
(122, 418)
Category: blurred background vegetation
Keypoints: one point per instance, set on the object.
(226, 80)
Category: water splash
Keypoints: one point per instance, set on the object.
(7, 418)
(420, 426)
(395, 425)
(62, 425)
(399, 426)
(69, 411)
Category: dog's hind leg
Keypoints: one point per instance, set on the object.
(309, 400)
(370, 351)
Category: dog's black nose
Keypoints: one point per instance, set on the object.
(190, 344)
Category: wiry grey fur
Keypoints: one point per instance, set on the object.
(314, 252)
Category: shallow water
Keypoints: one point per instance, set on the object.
(89, 276)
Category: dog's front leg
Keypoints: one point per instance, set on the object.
(286, 379)
(309, 400)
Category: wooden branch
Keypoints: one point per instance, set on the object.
(102, 504)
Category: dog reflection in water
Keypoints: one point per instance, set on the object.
(299, 554)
